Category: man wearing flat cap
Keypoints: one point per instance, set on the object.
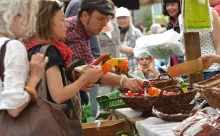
(92, 16)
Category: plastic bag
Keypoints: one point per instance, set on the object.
(197, 16)
(87, 113)
(202, 123)
(159, 45)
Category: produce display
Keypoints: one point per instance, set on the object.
(151, 91)
(107, 64)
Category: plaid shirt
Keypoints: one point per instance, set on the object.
(77, 40)
(130, 42)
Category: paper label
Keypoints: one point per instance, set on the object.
(194, 129)
(185, 124)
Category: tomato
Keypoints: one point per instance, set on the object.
(165, 92)
(136, 94)
(140, 94)
(171, 93)
(126, 94)
(130, 93)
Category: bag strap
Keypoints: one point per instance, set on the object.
(42, 91)
(2, 57)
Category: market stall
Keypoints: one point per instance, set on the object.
(188, 120)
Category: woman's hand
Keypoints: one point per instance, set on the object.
(133, 84)
(88, 87)
(37, 68)
(91, 76)
(208, 60)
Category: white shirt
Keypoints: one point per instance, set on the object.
(109, 33)
(208, 48)
(12, 93)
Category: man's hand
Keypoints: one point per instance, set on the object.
(133, 84)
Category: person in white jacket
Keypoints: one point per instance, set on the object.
(20, 77)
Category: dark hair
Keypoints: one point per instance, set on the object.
(170, 1)
(88, 10)
(47, 10)
(112, 6)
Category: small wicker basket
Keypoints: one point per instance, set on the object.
(174, 112)
(179, 98)
(210, 90)
(211, 82)
(163, 81)
(212, 95)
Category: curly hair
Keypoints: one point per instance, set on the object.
(9, 9)
(165, 13)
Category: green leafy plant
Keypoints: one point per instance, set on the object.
(148, 17)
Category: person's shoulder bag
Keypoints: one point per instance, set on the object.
(40, 118)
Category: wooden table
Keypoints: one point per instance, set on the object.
(130, 115)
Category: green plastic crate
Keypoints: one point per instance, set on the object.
(111, 101)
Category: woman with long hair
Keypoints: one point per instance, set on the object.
(51, 27)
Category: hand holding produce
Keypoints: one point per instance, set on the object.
(133, 84)
(121, 63)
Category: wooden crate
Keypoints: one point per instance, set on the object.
(107, 128)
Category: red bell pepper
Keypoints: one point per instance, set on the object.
(103, 57)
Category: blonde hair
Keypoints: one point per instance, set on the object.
(9, 9)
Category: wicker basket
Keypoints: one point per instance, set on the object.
(211, 82)
(174, 112)
(179, 98)
(163, 80)
(138, 103)
(123, 90)
(212, 95)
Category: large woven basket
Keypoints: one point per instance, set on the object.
(163, 80)
(179, 98)
(138, 103)
(210, 90)
(177, 112)
(212, 95)
(211, 82)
